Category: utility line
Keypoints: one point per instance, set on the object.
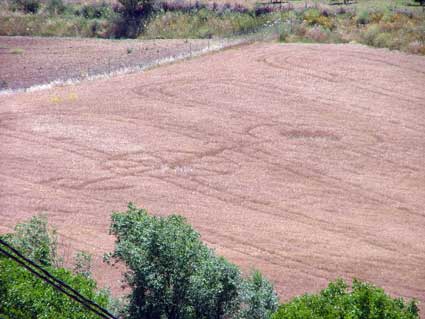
(56, 286)
(54, 282)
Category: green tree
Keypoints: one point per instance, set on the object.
(260, 300)
(27, 6)
(24, 296)
(55, 7)
(174, 275)
(363, 301)
(215, 287)
(36, 240)
(134, 14)
(82, 264)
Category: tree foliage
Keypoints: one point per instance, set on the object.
(24, 296)
(27, 6)
(36, 240)
(82, 264)
(174, 275)
(260, 299)
(363, 301)
(134, 13)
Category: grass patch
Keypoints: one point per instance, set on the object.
(17, 51)
(202, 24)
(61, 26)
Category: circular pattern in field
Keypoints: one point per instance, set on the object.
(305, 161)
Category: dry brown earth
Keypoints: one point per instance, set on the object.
(305, 161)
(28, 61)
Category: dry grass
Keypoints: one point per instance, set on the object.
(17, 51)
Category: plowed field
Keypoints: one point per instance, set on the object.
(305, 161)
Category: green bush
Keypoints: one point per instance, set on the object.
(383, 40)
(55, 7)
(363, 17)
(363, 301)
(369, 35)
(134, 15)
(28, 6)
(36, 240)
(94, 11)
(24, 296)
(314, 18)
(174, 275)
(203, 23)
(82, 264)
(259, 298)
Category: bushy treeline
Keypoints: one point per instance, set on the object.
(172, 275)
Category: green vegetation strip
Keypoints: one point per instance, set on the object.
(383, 24)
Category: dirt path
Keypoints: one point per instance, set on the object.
(305, 161)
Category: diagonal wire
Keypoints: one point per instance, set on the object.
(53, 281)
(56, 286)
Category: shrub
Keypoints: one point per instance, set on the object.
(55, 7)
(375, 17)
(416, 47)
(28, 6)
(23, 296)
(259, 298)
(214, 288)
(310, 15)
(35, 240)
(201, 24)
(370, 34)
(384, 40)
(317, 34)
(82, 264)
(363, 301)
(363, 17)
(94, 11)
(314, 17)
(174, 275)
(134, 14)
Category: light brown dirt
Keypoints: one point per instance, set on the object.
(305, 161)
(29, 61)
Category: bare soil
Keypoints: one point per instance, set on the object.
(304, 161)
(29, 61)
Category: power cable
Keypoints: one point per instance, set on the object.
(54, 282)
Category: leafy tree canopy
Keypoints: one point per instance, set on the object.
(174, 275)
(363, 301)
(24, 296)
